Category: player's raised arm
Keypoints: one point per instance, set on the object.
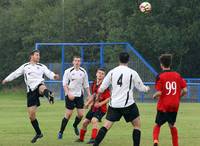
(106, 83)
(139, 84)
(51, 75)
(18, 72)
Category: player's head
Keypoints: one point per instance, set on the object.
(124, 57)
(76, 61)
(35, 56)
(165, 60)
(100, 74)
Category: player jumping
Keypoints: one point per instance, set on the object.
(33, 72)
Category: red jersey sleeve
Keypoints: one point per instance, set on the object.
(105, 94)
(158, 85)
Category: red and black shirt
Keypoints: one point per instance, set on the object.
(170, 83)
(102, 97)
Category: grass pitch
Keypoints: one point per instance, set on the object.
(16, 130)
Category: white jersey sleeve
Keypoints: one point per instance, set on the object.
(18, 72)
(139, 84)
(106, 82)
(48, 73)
(66, 78)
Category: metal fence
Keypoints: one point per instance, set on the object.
(94, 55)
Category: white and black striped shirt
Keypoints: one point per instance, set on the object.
(122, 80)
(76, 80)
(33, 74)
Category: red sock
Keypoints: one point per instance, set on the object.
(94, 133)
(156, 132)
(82, 134)
(174, 133)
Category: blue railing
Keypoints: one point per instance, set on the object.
(143, 97)
(192, 82)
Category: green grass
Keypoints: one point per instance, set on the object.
(16, 130)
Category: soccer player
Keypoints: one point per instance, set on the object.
(74, 80)
(33, 72)
(122, 79)
(98, 108)
(170, 88)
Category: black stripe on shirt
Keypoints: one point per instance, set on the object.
(71, 69)
(127, 98)
(26, 64)
(130, 82)
(39, 64)
(82, 70)
(129, 89)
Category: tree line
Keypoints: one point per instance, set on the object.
(171, 27)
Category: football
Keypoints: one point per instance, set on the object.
(145, 7)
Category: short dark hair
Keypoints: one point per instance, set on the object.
(34, 51)
(123, 57)
(166, 60)
(76, 56)
(101, 69)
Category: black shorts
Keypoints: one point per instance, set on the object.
(129, 113)
(33, 97)
(78, 102)
(97, 114)
(163, 117)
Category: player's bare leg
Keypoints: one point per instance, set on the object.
(83, 130)
(136, 132)
(64, 122)
(174, 133)
(80, 114)
(102, 132)
(47, 93)
(32, 116)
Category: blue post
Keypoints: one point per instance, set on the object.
(199, 94)
(62, 72)
(101, 56)
(82, 54)
(142, 97)
(36, 46)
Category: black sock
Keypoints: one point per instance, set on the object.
(101, 134)
(46, 93)
(63, 125)
(77, 121)
(136, 137)
(35, 125)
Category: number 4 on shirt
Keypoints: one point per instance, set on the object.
(119, 81)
